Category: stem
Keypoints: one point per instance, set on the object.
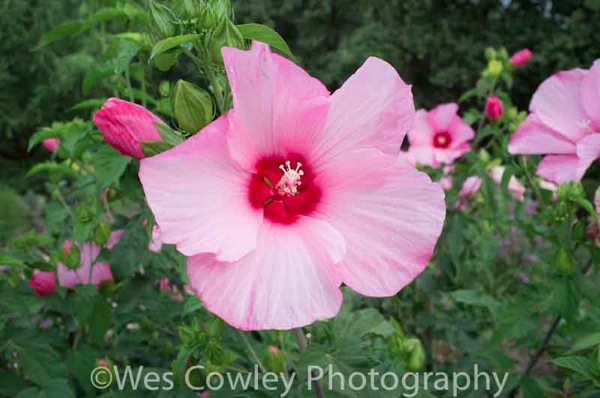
(62, 201)
(302, 345)
(544, 345)
(252, 352)
(128, 81)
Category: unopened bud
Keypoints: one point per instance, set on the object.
(192, 106)
(274, 359)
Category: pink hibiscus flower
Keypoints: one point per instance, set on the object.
(89, 272)
(125, 125)
(439, 136)
(493, 108)
(564, 125)
(515, 188)
(155, 244)
(467, 192)
(294, 192)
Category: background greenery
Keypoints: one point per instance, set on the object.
(436, 45)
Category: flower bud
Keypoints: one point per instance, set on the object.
(192, 107)
(490, 53)
(571, 191)
(225, 34)
(493, 108)
(416, 358)
(207, 19)
(102, 234)
(221, 8)
(494, 68)
(274, 359)
(520, 58)
(563, 261)
(42, 282)
(512, 113)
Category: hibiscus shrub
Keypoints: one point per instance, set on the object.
(247, 217)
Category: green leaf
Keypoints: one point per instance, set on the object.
(580, 365)
(475, 298)
(171, 42)
(100, 318)
(109, 165)
(11, 384)
(54, 169)
(58, 388)
(264, 34)
(80, 363)
(40, 362)
(65, 29)
(93, 78)
(92, 103)
(587, 341)
(166, 60)
(102, 15)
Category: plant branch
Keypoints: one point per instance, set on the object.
(252, 352)
(544, 344)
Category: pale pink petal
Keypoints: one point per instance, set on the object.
(422, 155)
(372, 110)
(560, 168)
(442, 115)
(422, 132)
(590, 91)
(460, 131)
(470, 187)
(534, 137)
(449, 155)
(588, 150)
(515, 188)
(88, 272)
(124, 125)
(199, 196)
(267, 91)
(390, 230)
(155, 244)
(559, 105)
(101, 273)
(289, 281)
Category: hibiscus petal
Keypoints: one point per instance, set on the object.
(559, 105)
(199, 196)
(460, 131)
(422, 132)
(534, 137)
(373, 110)
(561, 168)
(267, 91)
(588, 150)
(590, 92)
(390, 230)
(289, 281)
(442, 115)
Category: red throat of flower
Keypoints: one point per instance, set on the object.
(442, 140)
(284, 188)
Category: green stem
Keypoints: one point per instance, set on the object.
(212, 79)
(302, 345)
(128, 81)
(252, 352)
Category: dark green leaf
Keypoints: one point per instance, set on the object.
(109, 165)
(171, 42)
(264, 34)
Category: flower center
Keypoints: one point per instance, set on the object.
(282, 191)
(442, 140)
(290, 181)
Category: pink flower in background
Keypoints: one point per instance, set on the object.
(515, 188)
(51, 144)
(467, 192)
(42, 282)
(439, 136)
(294, 192)
(125, 125)
(89, 272)
(550, 186)
(521, 57)
(493, 108)
(564, 125)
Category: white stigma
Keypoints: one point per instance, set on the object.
(290, 181)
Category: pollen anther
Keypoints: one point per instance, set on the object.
(290, 181)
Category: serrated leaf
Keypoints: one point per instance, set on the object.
(580, 365)
(264, 34)
(475, 298)
(102, 15)
(40, 362)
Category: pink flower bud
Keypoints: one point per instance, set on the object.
(125, 125)
(493, 108)
(521, 57)
(51, 144)
(42, 282)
